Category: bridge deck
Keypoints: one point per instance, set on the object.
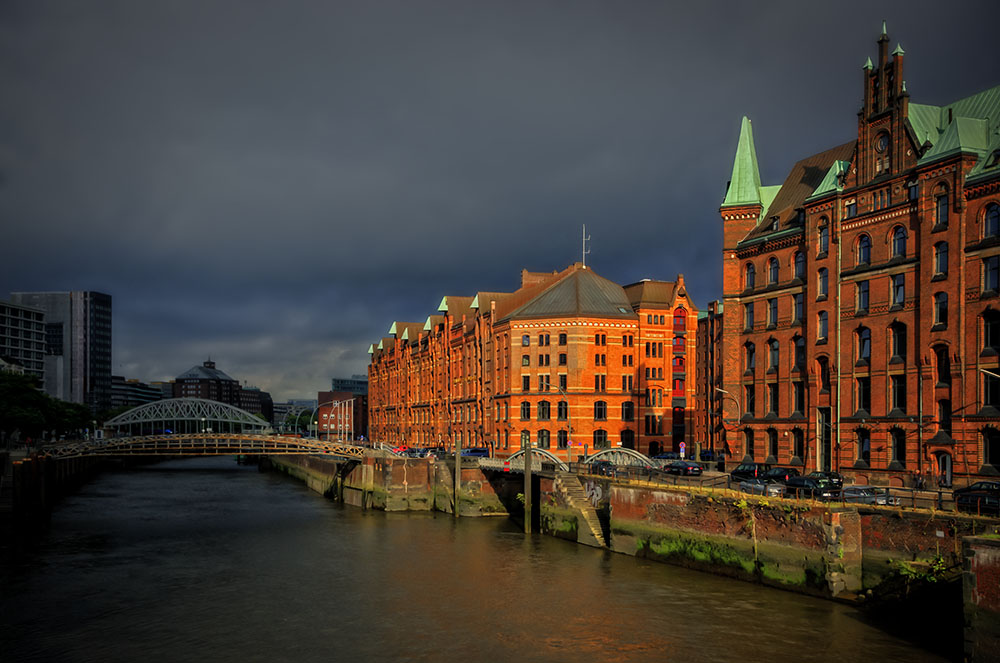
(206, 444)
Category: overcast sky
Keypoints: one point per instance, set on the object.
(273, 183)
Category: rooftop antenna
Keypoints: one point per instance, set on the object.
(586, 238)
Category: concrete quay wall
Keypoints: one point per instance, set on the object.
(981, 597)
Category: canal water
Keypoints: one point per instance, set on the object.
(207, 560)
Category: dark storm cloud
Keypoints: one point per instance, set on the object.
(272, 184)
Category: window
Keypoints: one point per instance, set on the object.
(562, 410)
(897, 388)
(628, 411)
(679, 385)
(941, 309)
(944, 415)
(525, 411)
(991, 447)
(677, 363)
(824, 373)
(991, 221)
(941, 258)
(863, 393)
(680, 320)
(562, 381)
(941, 208)
(562, 339)
(897, 331)
(912, 190)
(773, 353)
(562, 358)
(898, 289)
(748, 442)
(798, 443)
(861, 297)
(991, 390)
(748, 315)
(991, 274)
(544, 410)
(851, 210)
(864, 250)
(772, 443)
(544, 382)
(525, 383)
(824, 240)
(543, 360)
(628, 438)
(749, 399)
(991, 330)
(821, 283)
(864, 446)
(600, 411)
(749, 357)
(898, 443)
(800, 351)
(899, 242)
(600, 439)
(678, 344)
(562, 439)
(772, 398)
(525, 360)
(526, 340)
(800, 265)
(772, 312)
(627, 383)
(864, 344)
(525, 439)
(798, 306)
(798, 397)
(821, 323)
(600, 383)
(943, 362)
(543, 339)
(600, 339)
(543, 439)
(772, 271)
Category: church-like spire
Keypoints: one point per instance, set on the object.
(744, 185)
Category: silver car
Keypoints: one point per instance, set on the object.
(868, 495)
(761, 487)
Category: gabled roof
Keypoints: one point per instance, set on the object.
(204, 373)
(804, 178)
(577, 292)
(967, 125)
(651, 294)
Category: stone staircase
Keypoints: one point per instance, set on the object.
(589, 530)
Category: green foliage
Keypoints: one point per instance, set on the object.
(916, 571)
(24, 407)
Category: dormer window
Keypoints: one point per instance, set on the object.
(774, 224)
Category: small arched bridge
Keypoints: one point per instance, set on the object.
(197, 427)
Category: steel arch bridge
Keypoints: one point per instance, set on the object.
(186, 415)
(622, 456)
(546, 457)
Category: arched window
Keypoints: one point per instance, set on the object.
(628, 411)
(864, 344)
(799, 344)
(991, 222)
(749, 276)
(772, 270)
(600, 439)
(562, 439)
(897, 331)
(562, 410)
(543, 439)
(863, 446)
(941, 309)
(943, 361)
(941, 206)
(824, 240)
(544, 411)
(822, 284)
(899, 242)
(600, 411)
(525, 411)
(773, 352)
(823, 364)
(864, 250)
(628, 438)
(800, 265)
(941, 258)
(680, 320)
(749, 357)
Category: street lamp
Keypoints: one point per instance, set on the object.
(736, 402)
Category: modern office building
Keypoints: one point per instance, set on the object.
(356, 384)
(22, 339)
(78, 344)
(131, 393)
(862, 295)
(569, 362)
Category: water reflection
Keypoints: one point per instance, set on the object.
(223, 563)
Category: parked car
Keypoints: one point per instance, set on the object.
(867, 495)
(683, 467)
(603, 467)
(476, 452)
(982, 497)
(800, 486)
(745, 471)
(834, 477)
(761, 487)
(779, 474)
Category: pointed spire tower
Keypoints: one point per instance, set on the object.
(743, 204)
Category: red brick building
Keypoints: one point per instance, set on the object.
(569, 362)
(341, 415)
(861, 317)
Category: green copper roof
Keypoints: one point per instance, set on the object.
(899, 50)
(744, 185)
(768, 194)
(392, 329)
(963, 134)
(963, 126)
(371, 349)
(868, 63)
(443, 306)
(831, 181)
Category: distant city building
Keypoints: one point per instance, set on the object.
(78, 344)
(255, 401)
(342, 415)
(131, 393)
(166, 388)
(208, 382)
(22, 339)
(356, 384)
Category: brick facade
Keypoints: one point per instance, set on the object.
(860, 296)
(569, 362)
